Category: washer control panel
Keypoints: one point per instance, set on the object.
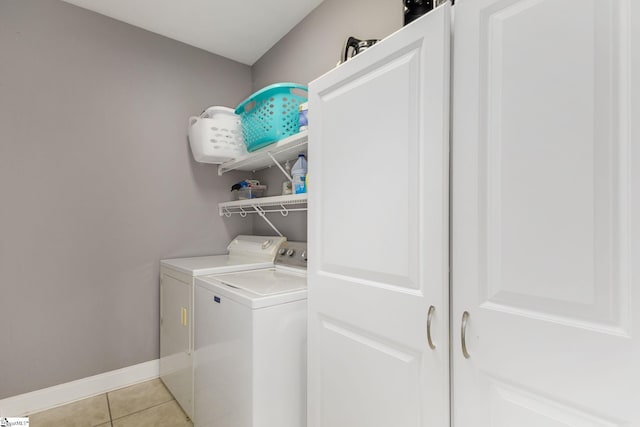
(292, 254)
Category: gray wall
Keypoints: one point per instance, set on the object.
(97, 184)
(311, 49)
(315, 45)
(294, 225)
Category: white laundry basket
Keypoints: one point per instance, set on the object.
(216, 136)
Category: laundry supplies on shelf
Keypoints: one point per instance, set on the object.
(287, 186)
(299, 174)
(248, 189)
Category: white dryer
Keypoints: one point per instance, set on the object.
(250, 349)
(176, 303)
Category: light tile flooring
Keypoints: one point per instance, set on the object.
(147, 404)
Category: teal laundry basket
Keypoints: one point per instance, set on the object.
(271, 114)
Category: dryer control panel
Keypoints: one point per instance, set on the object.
(292, 254)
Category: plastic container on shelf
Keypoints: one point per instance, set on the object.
(299, 174)
(216, 136)
(252, 192)
(271, 114)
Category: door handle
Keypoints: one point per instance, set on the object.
(184, 316)
(432, 309)
(463, 335)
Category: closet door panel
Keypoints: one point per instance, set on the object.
(378, 233)
(544, 225)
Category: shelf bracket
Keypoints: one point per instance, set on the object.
(284, 210)
(226, 213)
(279, 166)
(262, 213)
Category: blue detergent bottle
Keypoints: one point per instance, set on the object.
(299, 173)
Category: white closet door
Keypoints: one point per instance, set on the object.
(378, 233)
(546, 213)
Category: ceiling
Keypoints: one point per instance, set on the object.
(242, 30)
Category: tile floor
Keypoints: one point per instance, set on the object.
(147, 404)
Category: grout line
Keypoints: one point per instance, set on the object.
(142, 410)
(109, 407)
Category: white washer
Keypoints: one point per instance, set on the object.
(250, 349)
(176, 302)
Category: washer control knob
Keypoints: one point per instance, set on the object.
(282, 251)
(304, 255)
(290, 252)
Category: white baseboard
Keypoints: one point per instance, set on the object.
(47, 398)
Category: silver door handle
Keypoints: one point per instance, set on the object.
(432, 309)
(463, 334)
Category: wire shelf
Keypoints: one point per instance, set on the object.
(281, 151)
(280, 204)
(290, 203)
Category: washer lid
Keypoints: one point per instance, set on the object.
(258, 288)
(265, 282)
